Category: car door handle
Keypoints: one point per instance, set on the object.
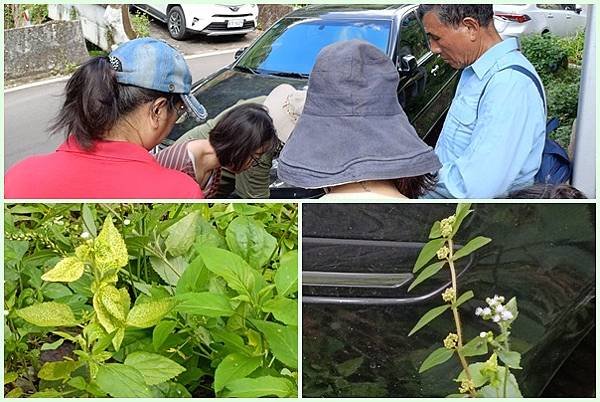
(550, 16)
(435, 70)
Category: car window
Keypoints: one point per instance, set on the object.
(292, 45)
(550, 6)
(412, 38)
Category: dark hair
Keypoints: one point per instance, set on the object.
(416, 186)
(541, 190)
(240, 133)
(453, 14)
(95, 101)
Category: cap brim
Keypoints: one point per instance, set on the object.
(195, 108)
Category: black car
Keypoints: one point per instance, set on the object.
(287, 51)
(357, 266)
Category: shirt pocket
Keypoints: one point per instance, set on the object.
(464, 113)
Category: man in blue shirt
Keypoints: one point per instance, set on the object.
(493, 136)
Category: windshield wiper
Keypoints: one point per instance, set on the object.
(289, 74)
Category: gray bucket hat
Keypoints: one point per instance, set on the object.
(353, 127)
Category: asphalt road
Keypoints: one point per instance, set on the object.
(29, 110)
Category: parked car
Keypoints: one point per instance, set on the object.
(206, 19)
(286, 53)
(357, 264)
(522, 19)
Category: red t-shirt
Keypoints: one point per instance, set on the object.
(111, 169)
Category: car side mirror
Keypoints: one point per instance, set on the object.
(578, 10)
(239, 52)
(407, 64)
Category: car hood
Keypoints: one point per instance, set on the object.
(228, 86)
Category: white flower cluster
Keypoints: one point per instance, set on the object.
(496, 311)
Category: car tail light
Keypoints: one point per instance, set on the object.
(520, 18)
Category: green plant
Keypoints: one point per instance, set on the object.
(545, 52)
(141, 24)
(480, 379)
(163, 301)
(573, 46)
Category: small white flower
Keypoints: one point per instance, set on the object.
(478, 311)
(483, 334)
(500, 308)
(126, 222)
(507, 315)
(488, 300)
(496, 318)
(85, 235)
(5, 313)
(487, 311)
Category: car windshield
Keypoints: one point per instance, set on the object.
(291, 46)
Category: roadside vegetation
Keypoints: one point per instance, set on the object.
(163, 300)
(558, 61)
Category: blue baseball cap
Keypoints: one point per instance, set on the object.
(154, 64)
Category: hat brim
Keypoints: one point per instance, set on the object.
(328, 151)
(195, 108)
(277, 104)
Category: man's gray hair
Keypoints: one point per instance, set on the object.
(453, 14)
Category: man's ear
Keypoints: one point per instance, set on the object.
(473, 27)
(156, 108)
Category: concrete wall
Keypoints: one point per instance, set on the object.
(43, 50)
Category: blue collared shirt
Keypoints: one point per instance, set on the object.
(494, 145)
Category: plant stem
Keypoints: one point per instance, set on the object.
(506, 348)
(456, 316)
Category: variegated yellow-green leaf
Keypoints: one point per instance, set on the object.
(52, 371)
(148, 314)
(118, 338)
(49, 314)
(84, 252)
(68, 269)
(110, 251)
(155, 368)
(111, 306)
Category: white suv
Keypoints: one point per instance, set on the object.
(207, 19)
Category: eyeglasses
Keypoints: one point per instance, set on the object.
(255, 161)
(181, 110)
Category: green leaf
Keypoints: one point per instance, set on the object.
(14, 250)
(512, 307)
(56, 291)
(10, 377)
(284, 310)
(233, 367)
(52, 371)
(208, 236)
(169, 270)
(283, 341)
(146, 315)
(161, 332)
(475, 347)
(194, 278)
(236, 272)
(428, 251)
(110, 250)
(436, 358)
(68, 269)
(181, 235)
(464, 298)
(471, 246)
(427, 273)
(428, 317)
(510, 358)
(261, 386)
(49, 314)
(462, 211)
(122, 381)
(512, 387)
(436, 230)
(475, 370)
(154, 367)
(205, 303)
(349, 367)
(16, 392)
(248, 238)
(88, 220)
(232, 341)
(111, 306)
(286, 277)
(53, 345)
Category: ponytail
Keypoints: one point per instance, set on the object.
(95, 102)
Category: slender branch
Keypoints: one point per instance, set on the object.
(456, 316)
